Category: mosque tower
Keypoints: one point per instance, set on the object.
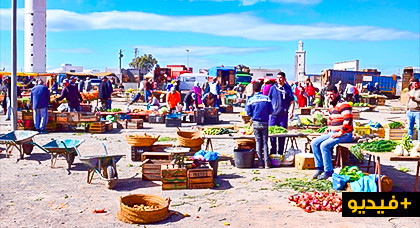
(35, 36)
(300, 63)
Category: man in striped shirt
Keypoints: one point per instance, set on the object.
(340, 129)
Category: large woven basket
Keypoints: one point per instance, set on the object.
(189, 138)
(141, 140)
(129, 214)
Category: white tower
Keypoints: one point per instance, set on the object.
(300, 63)
(35, 36)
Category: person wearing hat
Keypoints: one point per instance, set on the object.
(73, 80)
(40, 99)
(104, 93)
(169, 86)
(191, 101)
(413, 107)
(376, 89)
(173, 98)
(88, 85)
(72, 95)
(198, 91)
(249, 90)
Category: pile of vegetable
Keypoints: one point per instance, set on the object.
(143, 207)
(306, 121)
(276, 130)
(217, 131)
(322, 129)
(353, 172)
(360, 105)
(114, 110)
(308, 131)
(163, 110)
(396, 125)
(319, 119)
(373, 146)
(305, 185)
(317, 201)
(243, 114)
(405, 145)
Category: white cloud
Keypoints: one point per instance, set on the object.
(240, 25)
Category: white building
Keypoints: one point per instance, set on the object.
(300, 74)
(35, 36)
(347, 65)
(263, 73)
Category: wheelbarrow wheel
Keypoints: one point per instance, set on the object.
(27, 148)
(111, 176)
(70, 159)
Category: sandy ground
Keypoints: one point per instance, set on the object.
(34, 195)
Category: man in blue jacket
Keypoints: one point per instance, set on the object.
(281, 97)
(259, 108)
(40, 98)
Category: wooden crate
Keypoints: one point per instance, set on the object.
(394, 134)
(169, 171)
(151, 169)
(380, 101)
(156, 156)
(305, 111)
(73, 117)
(159, 147)
(88, 117)
(356, 114)
(61, 117)
(137, 151)
(109, 126)
(174, 186)
(200, 178)
(134, 124)
(97, 127)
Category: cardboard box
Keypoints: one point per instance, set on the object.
(304, 161)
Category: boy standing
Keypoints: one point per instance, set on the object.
(259, 108)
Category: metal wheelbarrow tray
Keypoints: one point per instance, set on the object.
(104, 165)
(66, 148)
(21, 140)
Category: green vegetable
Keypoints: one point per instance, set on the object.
(305, 185)
(406, 142)
(353, 172)
(322, 129)
(276, 130)
(309, 131)
(395, 125)
(306, 121)
(375, 146)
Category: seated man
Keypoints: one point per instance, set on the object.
(209, 100)
(340, 130)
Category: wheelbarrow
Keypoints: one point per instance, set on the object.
(104, 165)
(21, 140)
(66, 148)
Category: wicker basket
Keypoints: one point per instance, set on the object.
(189, 138)
(129, 214)
(141, 140)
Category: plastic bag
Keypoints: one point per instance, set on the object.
(63, 107)
(339, 181)
(206, 155)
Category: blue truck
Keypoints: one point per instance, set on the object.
(225, 75)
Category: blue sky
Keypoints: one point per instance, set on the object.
(257, 33)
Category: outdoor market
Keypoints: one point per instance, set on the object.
(220, 153)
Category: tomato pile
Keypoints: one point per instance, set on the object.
(317, 201)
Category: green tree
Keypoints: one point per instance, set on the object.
(145, 62)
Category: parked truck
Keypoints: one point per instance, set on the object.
(224, 75)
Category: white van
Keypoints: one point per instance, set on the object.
(188, 80)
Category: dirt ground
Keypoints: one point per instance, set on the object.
(34, 195)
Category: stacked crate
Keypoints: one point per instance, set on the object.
(137, 151)
(394, 134)
(173, 178)
(200, 178)
(151, 169)
(98, 127)
(134, 124)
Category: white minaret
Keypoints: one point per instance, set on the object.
(300, 63)
(35, 36)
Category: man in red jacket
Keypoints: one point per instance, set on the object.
(310, 90)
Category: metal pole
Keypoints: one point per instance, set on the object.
(13, 100)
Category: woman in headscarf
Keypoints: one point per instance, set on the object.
(198, 91)
(299, 92)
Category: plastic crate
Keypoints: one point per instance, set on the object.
(173, 122)
(156, 119)
(362, 130)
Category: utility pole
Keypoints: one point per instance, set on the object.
(13, 99)
(136, 51)
(188, 58)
